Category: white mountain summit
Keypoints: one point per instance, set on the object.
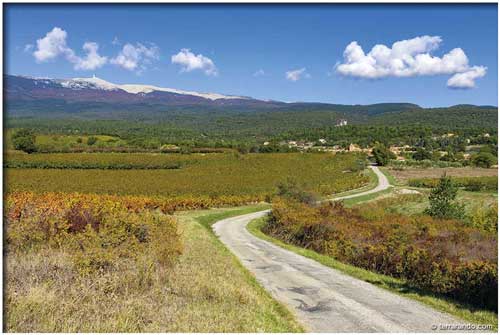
(98, 83)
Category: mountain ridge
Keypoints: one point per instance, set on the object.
(97, 99)
(19, 85)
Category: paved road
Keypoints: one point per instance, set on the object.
(383, 184)
(324, 299)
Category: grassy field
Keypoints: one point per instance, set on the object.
(398, 286)
(207, 290)
(411, 173)
(255, 175)
(415, 204)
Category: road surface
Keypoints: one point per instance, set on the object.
(324, 299)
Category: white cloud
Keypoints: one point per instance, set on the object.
(295, 75)
(92, 60)
(467, 79)
(190, 62)
(115, 41)
(28, 47)
(407, 58)
(54, 45)
(136, 57)
(259, 73)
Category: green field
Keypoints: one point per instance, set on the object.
(214, 175)
(106, 161)
(56, 142)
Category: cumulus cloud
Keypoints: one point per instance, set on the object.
(409, 58)
(191, 62)
(136, 57)
(467, 79)
(92, 60)
(295, 75)
(54, 45)
(259, 73)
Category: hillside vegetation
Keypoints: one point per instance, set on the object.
(225, 128)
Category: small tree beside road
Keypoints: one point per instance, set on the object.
(442, 202)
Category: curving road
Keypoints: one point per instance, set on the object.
(324, 299)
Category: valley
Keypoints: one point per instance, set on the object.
(127, 190)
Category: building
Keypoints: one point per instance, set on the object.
(341, 122)
(354, 147)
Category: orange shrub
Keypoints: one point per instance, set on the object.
(443, 256)
(97, 231)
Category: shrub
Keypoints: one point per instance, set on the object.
(439, 255)
(24, 139)
(484, 160)
(98, 231)
(290, 189)
(91, 140)
(484, 218)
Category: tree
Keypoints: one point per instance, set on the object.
(24, 139)
(484, 160)
(382, 155)
(91, 140)
(422, 154)
(442, 201)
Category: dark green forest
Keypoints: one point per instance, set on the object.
(391, 124)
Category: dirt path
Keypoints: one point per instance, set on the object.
(322, 298)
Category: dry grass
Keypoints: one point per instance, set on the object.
(410, 173)
(207, 291)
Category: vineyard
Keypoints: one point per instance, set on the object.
(445, 257)
(251, 177)
(99, 161)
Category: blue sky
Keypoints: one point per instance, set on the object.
(281, 52)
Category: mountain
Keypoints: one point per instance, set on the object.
(27, 96)
(98, 90)
(97, 99)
